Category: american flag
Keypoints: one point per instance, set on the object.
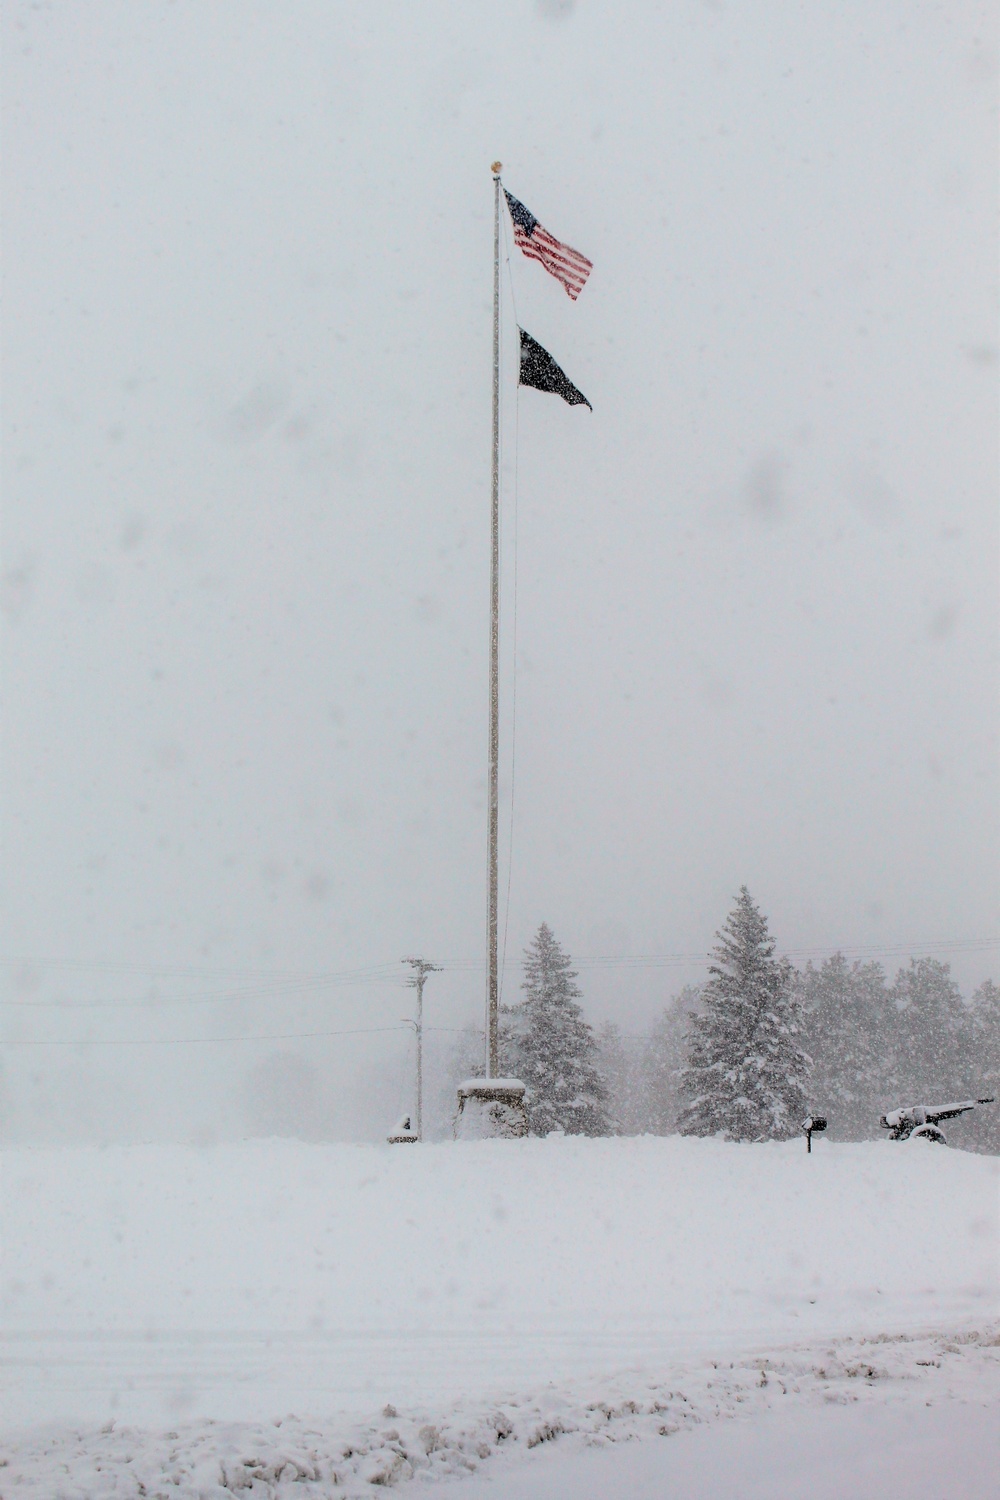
(566, 265)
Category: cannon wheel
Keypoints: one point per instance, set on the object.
(929, 1133)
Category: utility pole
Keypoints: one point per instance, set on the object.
(421, 969)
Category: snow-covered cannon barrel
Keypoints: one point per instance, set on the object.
(922, 1121)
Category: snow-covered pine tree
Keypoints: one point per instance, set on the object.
(747, 1074)
(848, 1021)
(926, 1045)
(664, 1056)
(623, 1063)
(984, 1044)
(556, 1051)
(618, 1076)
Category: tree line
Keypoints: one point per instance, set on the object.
(750, 1052)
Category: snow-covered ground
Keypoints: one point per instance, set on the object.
(912, 1443)
(838, 1419)
(275, 1313)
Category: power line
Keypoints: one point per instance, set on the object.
(702, 956)
(388, 975)
(389, 970)
(231, 997)
(192, 971)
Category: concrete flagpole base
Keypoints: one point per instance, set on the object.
(490, 1109)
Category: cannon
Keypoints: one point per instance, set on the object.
(922, 1121)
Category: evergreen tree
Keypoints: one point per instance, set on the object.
(849, 1021)
(943, 1049)
(555, 1049)
(664, 1059)
(983, 1045)
(628, 1067)
(926, 1042)
(618, 1074)
(746, 1075)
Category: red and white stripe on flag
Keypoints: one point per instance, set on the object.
(565, 264)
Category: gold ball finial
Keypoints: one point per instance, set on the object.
(495, 169)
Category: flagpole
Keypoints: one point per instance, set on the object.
(491, 1105)
(492, 997)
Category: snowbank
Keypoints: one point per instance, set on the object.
(292, 1459)
(889, 1437)
(160, 1285)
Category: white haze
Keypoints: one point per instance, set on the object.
(247, 345)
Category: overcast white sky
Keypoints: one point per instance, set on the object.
(246, 506)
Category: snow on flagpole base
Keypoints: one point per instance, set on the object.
(490, 1109)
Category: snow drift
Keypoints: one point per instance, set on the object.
(238, 1282)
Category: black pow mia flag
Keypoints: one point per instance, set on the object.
(540, 370)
